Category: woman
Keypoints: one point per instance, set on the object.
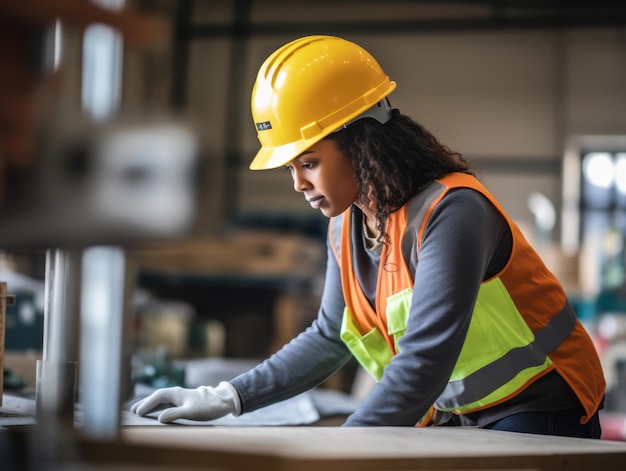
(429, 283)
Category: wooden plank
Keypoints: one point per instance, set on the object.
(391, 448)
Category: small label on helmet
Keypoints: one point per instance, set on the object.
(264, 126)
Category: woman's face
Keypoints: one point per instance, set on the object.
(325, 176)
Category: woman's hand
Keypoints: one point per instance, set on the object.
(203, 403)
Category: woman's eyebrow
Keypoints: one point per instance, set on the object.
(304, 154)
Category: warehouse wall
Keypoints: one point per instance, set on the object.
(506, 99)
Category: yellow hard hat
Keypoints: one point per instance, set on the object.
(308, 89)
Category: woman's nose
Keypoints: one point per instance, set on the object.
(299, 184)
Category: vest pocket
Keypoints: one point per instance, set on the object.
(398, 307)
(370, 349)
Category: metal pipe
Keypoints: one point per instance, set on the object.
(56, 371)
(103, 305)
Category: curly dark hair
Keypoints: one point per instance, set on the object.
(394, 161)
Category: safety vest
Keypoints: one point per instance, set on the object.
(522, 325)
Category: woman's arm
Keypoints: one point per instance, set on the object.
(307, 360)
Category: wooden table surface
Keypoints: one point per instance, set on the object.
(390, 448)
(304, 448)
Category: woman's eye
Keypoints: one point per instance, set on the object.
(289, 168)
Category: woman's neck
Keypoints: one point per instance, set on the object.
(370, 223)
(372, 230)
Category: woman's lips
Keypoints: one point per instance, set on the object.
(316, 202)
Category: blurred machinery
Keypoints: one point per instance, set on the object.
(103, 184)
(97, 185)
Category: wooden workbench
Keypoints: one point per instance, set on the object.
(307, 448)
(345, 449)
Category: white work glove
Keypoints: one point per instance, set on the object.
(203, 403)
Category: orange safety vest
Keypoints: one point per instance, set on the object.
(524, 305)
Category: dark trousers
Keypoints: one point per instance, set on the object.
(565, 423)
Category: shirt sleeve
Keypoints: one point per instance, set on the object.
(307, 360)
(460, 240)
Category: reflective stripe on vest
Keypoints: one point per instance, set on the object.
(502, 376)
(483, 386)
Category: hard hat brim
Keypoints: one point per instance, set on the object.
(274, 157)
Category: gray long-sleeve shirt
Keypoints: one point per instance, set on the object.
(465, 241)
